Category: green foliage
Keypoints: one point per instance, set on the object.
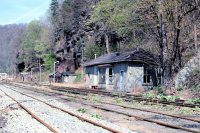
(160, 97)
(94, 98)
(91, 50)
(198, 88)
(159, 89)
(35, 45)
(179, 88)
(78, 77)
(115, 14)
(48, 61)
(40, 49)
(185, 111)
(30, 39)
(196, 72)
(148, 95)
(96, 116)
(54, 7)
(171, 98)
(197, 109)
(170, 107)
(82, 110)
(117, 100)
(67, 5)
(193, 101)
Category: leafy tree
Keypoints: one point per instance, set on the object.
(30, 39)
(54, 8)
(91, 50)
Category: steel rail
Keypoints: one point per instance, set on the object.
(185, 118)
(71, 113)
(145, 110)
(142, 118)
(32, 114)
(129, 115)
(127, 96)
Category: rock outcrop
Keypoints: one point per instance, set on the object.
(192, 65)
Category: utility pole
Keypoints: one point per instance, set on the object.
(40, 71)
(54, 69)
(40, 74)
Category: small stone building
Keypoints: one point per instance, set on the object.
(125, 71)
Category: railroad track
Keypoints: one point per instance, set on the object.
(55, 107)
(125, 96)
(130, 115)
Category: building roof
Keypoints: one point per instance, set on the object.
(136, 55)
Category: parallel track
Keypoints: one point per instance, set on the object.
(125, 96)
(63, 110)
(139, 118)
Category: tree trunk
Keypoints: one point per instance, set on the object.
(107, 43)
(195, 37)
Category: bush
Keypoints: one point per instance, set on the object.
(91, 50)
(82, 110)
(78, 77)
(159, 89)
(148, 95)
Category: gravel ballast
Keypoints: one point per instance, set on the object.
(16, 119)
(61, 121)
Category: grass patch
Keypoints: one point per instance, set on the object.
(82, 110)
(96, 116)
(117, 100)
(148, 95)
(94, 98)
(185, 111)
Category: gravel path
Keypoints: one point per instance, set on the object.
(61, 121)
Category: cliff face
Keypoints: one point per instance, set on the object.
(73, 34)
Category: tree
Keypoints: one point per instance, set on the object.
(159, 21)
(54, 8)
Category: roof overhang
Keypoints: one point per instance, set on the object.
(104, 65)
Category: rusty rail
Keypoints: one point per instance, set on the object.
(142, 118)
(195, 120)
(32, 114)
(71, 113)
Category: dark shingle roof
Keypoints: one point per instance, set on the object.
(138, 55)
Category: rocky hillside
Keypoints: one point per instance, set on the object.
(189, 75)
(75, 35)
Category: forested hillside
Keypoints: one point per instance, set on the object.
(74, 30)
(10, 40)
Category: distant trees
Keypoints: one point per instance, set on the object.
(10, 39)
(36, 46)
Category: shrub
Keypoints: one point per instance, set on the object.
(159, 89)
(78, 77)
(82, 110)
(148, 95)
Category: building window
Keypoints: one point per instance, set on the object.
(110, 76)
(102, 75)
(147, 76)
